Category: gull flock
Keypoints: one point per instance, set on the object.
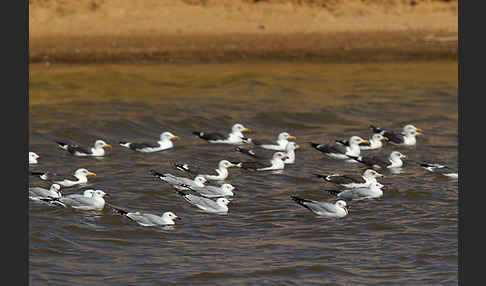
(207, 191)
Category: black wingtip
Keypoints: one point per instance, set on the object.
(320, 176)
(60, 143)
(333, 192)
(35, 173)
(181, 167)
(314, 145)
(197, 133)
(181, 193)
(155, 173)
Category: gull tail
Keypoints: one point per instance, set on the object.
(155, 173)
(376, 129)
(62, 145)
(182, 167)
(299, 200)
(333, 192)
(124, 144)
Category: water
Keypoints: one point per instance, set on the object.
(408, 237)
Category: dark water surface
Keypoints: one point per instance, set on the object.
(408, 237)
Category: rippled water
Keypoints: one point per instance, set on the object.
(408, 237)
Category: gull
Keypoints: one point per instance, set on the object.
(234, 137)
(33, 158)
(76, 150)
(80, 177)
(84, 202)
(208, 191)
(394, 160)
(180, 183)
(375, 142)
(372, 191)
(404, 137)
(147, 219)
(279, 145)
(440, 169)
(338, 209)
(220, 206)
(221, 171)
(164, 143)
(339, 151)
(276, 163)
(38, 193)
(266, 154)
(351, 180)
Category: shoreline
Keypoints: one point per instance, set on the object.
(208, 31)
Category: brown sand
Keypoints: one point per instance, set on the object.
(205, 30)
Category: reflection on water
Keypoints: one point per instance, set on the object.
(408, 237)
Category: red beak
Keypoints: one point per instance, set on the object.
(384, 187)
(178, 218)
(230, 203)
(107, 195)
(235, 188)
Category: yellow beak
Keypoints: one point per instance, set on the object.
(365, 141)
(91, 174)
(246, 130)
(292, 137)
(108, 145)
(175, 137)
(385, 138)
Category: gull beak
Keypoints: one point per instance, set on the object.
(404, 156)
(108, 146)
(178, 218)
(230, 203)
(384, 187)
(235, 188)
(246, 130)
(175, 137)
(292, 137)
(380, 175)
(233, 165)
(91, 174)
(107, 195)
(385, 139)
(365, 141)
(418, 129)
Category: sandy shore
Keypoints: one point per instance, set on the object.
(206, 30)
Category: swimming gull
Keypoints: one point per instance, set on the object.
(374, 142)
(164, 143)
(440, 169)
(394, 160)
(209, 191)
(338, 209)
(220, 206)
(33, 158)
(180, 183)
(351, 180)
(234, 137)
(38, 193)
(279, 145)
(267, 154)
(95, 202)
(339, 151)
(276, 163)
(220, 175)
(80, 177)
(76, 150)
(372, 191)
(404, 137)
(147, 219)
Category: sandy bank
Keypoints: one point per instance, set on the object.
(116, 30)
